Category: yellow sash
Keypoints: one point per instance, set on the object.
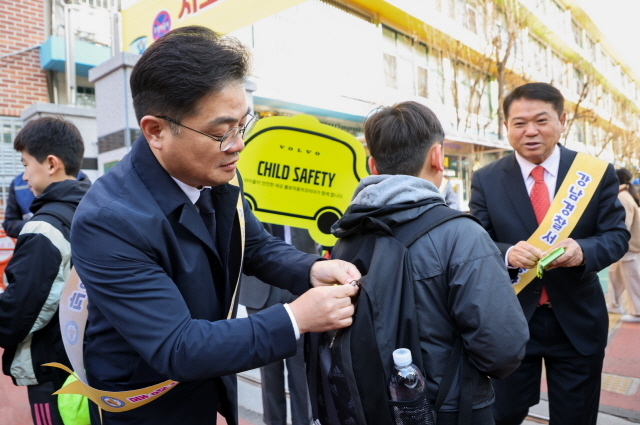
(73, 320)
(566, 209)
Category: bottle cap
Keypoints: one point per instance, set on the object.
(402, 357)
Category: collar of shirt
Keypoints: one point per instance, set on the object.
(551, 166)
(192, 193)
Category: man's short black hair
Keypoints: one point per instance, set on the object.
(52, 136)
(400, 136)
(535, 91)
(182, 67)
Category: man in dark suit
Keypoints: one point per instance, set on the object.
(256, 295)
(565, 309)
(160, 240)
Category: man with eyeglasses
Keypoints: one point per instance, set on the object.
(158, 244)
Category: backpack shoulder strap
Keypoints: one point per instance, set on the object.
(410, 232)
(407, 234)
(60, 210)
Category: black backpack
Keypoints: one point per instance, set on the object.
(348, 370)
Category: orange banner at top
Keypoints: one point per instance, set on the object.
(148, 20)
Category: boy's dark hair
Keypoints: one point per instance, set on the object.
(52, 136)
(535, 91)
(182, 67)
(400, 136)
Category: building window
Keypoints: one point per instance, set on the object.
(105, 4)
(451, 8)
(557, 14)
(578, 81)
(422, 82)
(86, 96)
(471, 18)
(9, 126)
(602, 58)
(607, 102)
(410, 66)
(390, 71)
(473, 90)
(539, 57)
(590, 47)
(558, 70)
(578, 131)
(576, 29)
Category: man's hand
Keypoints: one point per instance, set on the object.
(573, 255)
(324, 308)
(524, 255)
(333, 272)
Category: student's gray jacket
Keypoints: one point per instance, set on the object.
(36, 273)
(461, 285)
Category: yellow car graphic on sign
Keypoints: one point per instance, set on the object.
(301, 173)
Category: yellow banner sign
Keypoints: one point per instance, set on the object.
(567, 207)
(148, 20)
(301, 173)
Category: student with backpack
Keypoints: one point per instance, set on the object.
(52, 150)
(433, 282)
(19, 199)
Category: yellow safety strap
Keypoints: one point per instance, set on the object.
(567, 207)
(73, 320)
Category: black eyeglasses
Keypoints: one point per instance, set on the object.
(226, 141)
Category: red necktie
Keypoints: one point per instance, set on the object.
(540, 201)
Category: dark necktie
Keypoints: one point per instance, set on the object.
(540, 201)
(207, 213)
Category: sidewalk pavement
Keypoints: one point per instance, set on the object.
(14, 404)
(619, 398)
(620, 395)
(619, 401)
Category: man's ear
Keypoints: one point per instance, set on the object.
(436, 157)
(152, 129)
(372, 166)
(563, 121)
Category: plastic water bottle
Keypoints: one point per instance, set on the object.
(408, 385)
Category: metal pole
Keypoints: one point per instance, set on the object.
(115, 29)
(70, 65)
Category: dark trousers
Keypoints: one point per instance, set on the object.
(573, 380)
(44, 405)
(273, 390)
(274, 402)
(482, 416)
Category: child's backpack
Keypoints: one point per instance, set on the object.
(348, 370)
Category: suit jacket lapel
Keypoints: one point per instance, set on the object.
(516, 189)
(168, 195)
(225, 199)
(566, 159)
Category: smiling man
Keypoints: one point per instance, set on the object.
(514, 198)
(161, 240)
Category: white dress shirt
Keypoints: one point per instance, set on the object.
(551, 166)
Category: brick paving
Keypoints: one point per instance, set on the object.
(620, 395)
